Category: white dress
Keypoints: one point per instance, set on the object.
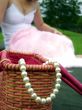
(20, 35)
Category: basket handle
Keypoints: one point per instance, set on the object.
(0, 61)
(3, 59)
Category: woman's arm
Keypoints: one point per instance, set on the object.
(3, 6)
(40, 23)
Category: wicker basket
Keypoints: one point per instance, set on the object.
(13, 95)
(0, 84)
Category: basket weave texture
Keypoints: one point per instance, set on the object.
(13, 94)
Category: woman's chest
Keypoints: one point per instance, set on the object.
(15, 16)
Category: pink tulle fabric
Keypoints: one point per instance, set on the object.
(45, 43)
(49, 45)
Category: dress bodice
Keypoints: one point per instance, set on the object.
(15, 20)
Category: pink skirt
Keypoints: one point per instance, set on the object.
(50, 45)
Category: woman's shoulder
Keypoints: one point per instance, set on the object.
(36, 5)
(4, 2)
(3, 5)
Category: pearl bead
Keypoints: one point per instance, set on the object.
(55, 91)
(52, 96)
(34, 96)
(57, 69)
(43, 100)
(23, 68)
(24, 74)
(51, 61)
(38, 99)
(58, 75)
(58, 80)
(57, 86)
(56, 64)
(22, 61)
(48, 99)
(28, 85)
(46, 62)
(30, 90)
(26, 79)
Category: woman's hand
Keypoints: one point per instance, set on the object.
(57, 32)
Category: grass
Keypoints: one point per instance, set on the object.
(75, 37)
(1, 38)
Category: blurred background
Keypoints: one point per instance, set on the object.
(63, 14)
(66, 15)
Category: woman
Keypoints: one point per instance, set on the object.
(16, 17)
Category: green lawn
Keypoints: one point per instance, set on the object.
(1, 38)
(77, 40)
(75, 37)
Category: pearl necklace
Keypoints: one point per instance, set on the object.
(29, 88)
